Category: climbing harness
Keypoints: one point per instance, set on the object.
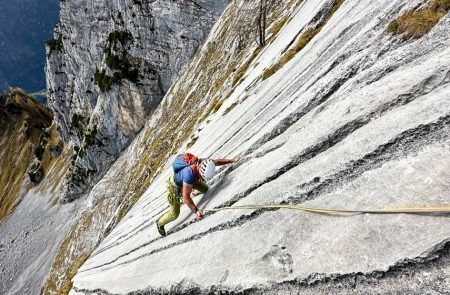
(412, 210)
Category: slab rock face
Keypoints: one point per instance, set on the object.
(356, 119)
(109, 65)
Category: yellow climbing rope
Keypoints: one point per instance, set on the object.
(418, 210)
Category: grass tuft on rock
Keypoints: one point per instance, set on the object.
(192, 142)
(243, 69)
(227, 110)
(104, 81)
(415, 24)
(121, 37)
(276, 28)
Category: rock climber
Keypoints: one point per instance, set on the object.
(190, 173)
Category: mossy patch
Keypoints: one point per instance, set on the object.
(118, 61)
(227, 110)
(25, 122)
(40, 148)
(192, 142)
(79, 175)
(243, 69)
(90, 137)
(17, 101)
(15, 161)
(121, 37)
(213, 107)
(104, 81)
(276, 28)
(54, 45)
(217, 105)
(57, 162)
(77, 122)
(415, 24)
(270, 71)
(55, 167)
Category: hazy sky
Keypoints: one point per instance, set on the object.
(25, 25)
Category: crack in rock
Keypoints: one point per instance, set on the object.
(395, 148)
(418, 275)
(423, 134)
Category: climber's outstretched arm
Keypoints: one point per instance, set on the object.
(220, 162)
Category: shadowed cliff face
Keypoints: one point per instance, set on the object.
(108, 67)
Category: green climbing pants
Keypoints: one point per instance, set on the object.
(174, 197)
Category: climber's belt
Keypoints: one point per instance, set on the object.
(174, 191)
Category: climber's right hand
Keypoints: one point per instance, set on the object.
(199, 214)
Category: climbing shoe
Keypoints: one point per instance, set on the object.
(161, 230)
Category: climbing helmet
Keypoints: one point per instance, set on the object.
(207, 169)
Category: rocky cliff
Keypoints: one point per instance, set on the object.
(108, 67)
(345, 107)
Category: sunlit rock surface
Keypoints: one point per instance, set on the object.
(358, 119)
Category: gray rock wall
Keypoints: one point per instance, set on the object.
(109, 66)
(358, 119)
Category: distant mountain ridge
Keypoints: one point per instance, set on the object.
(26, 25)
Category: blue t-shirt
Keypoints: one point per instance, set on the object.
(184, 175)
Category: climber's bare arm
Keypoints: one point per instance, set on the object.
(187, 189)
(220, 162)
